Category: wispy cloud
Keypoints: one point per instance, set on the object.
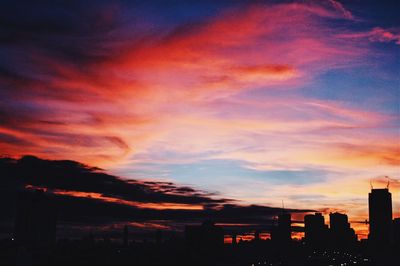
(115, 97)
(377, 34)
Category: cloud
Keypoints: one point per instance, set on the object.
(377, 34)
(112, 91)
(78, 178)
(338, 6)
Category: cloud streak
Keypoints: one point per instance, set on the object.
(377, 34)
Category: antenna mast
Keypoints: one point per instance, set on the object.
(388, 182)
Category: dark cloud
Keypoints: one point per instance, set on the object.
(73, 176)
(68, 175)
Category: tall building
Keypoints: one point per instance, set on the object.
(36, 219)
(234, 239)
(257, 235)
(126, 236)
(283, 232)
(380, 216)
(207, 236)
(341, 234)
(315, 229)
(159, 237)
(396, 231)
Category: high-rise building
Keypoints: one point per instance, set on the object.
(282, 233)
(35, 223)
(341, 234)
(380, 216)
(257, 235)
(126, 236)
(207, 236)
(396, 231)
(159, 237)
(234, 239)
(338, 222)
(315, 229)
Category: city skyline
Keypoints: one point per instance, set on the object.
(36, 216)
(201, 106)
(169, 206)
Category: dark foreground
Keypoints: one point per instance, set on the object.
(78, 252)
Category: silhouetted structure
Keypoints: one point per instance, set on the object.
(257, 235)
(35, 223)
(234, 239)
(126, 236)
(342, 235)
(282, 233)
(159, 237)
(380, 216)
(315, 229)
(206, 236)
(396, 231)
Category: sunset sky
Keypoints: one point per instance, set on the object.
(256, 101)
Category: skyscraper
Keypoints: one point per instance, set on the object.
(126, 236)
(396, 231)
(315, 229)
(282, 233)
(341, 234)
(257, 235)
(35, 223)
(207, 236)
(380, 216)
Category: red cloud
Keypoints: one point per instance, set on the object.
(149, 90)
(377, 34)
(382, 35)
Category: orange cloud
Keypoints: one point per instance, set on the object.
(146, 205)
(117, 107)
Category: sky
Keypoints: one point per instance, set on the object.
(261, 102)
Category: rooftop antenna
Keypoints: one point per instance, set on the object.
(388, 182)
(370, 183)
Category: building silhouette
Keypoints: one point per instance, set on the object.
(396, 231)
(126, 236)
(380, 216)
(207, 236)
(234, 239)
(315, 230)
(341, 234)
(159, 237)
(257, 235)
(36, 219)
(282, 233)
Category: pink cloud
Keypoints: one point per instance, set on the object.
(339, 7)
(164, 91)
(381, 35)
(376, 34)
